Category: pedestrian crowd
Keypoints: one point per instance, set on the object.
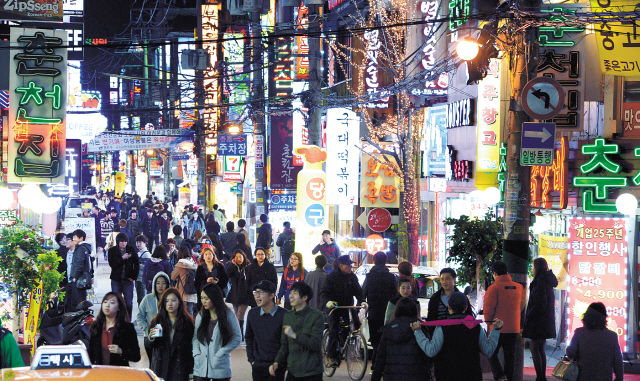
(183, 286)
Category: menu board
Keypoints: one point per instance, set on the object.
(598, 272)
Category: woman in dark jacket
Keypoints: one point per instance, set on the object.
(239, 293)
(113, 339)
(540, 321)
(595, 347)
(399, 356)
(261, 269)
(210, 270)
(172, 357)
(244, 246)
(211, 225)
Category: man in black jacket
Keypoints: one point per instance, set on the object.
(378, 288)
(150, 227)
(341, 287)
(80, 267)
(125, 265)
(438, 303)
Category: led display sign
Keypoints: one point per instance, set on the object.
(302, 44)
(210, 26)
(237, 81)
(554, 178)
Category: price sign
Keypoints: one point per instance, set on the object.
(598, 255)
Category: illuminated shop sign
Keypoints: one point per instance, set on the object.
(439, 86)
(237, 82)
(373, 73)
(210, 26)
(36, 10)
(302, 44)
(554, 178)
(598, 255)
(459, 11)
(460, 113)
(37, 116)
(490, 118)
(281, 85)
(379, 185)
(457, 170)
(343, 156)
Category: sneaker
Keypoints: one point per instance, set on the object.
(333, 363)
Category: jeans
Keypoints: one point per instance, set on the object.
(539, 357)
(334, 331)
(261, 373)
(375, 325)
(315, 377)
(77, 296)
(125, 288)
(191, 308)
(508, 343)
(164, 234)
(141, 291)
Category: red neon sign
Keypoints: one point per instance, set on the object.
(554, 178)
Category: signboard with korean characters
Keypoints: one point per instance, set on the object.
(38, 89)
(379, 185)
(140, 140)
(343, 157)
(490, 117)
(554, 251)
(598, 255)
(282, 201)
(34, 10)
(232, 145)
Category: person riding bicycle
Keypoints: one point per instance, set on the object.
(339, 290)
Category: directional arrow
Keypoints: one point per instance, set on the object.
(544, 134)
(541, 94)
(239, 139)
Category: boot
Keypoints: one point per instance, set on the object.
(242, 328)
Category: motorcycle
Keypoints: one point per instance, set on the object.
(61, 328)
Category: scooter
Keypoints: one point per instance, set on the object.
(61, 328)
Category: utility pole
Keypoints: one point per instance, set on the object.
(315, 74)
(517, 190)
(257, 103)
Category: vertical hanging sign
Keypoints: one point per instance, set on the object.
(343, 132)
(379, 185)
(302, 44)
(38, 85)
(210, 27)
(284, 174)
(490, 119)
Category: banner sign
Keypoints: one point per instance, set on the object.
(140, 140)
(434, 144)
(33, 316)
(283, 174)
(429, 10)
(618, 41)
(155, 167)
(598, 255)
(73, 165)
(490, 118)
(554, 251)
(259, 158)
(232, 145)
(549, 181)
(343, 157)
(31, 10)
(232, 168)
(302, 43)
(379, 185)
(38, 90)
(210, 25)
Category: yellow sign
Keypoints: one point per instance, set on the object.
(121, 182)
(554, 250)
(33, 316)
(490, 117)
(379, 185)
(618, 42)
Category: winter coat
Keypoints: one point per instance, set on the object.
(246, 249)
(81, 262)
(203, 273)
(378, 288)
(289, 277)
(598, 353)
(150, 226)
(265, 236)
(143, 257)
(196, 224)
(502, 301)
(124, 337)
(131, 265)
(434, 304)
(540, 320)
(316, 279)
(212, 360)
(134, 226)
(163, 224)
(331, 251)
(239, 292)
(152, 267)
(399, 356)
(148, 308)
(257, 273)
(172, 359)
(342, 288)
(181, 272)
(106, 228)
(212, 228)
(303, 355)
(229, 242)
(283, 237)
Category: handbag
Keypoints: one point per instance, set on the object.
(84, 282)
(566, 369)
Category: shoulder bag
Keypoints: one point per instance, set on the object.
(566, 369)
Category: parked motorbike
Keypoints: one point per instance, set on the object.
(59, 327)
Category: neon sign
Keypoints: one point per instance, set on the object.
(429, 11)
(210, 25)
(236, 86)
(459, 11)
(554, 178)
(302, 44)
(373, 72)
(282, 85)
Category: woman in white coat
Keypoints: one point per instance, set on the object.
(217, 334)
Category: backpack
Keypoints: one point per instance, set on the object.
(189, 285)
(289, 246)
(154, 268)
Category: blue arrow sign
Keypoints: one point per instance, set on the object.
(538, 135)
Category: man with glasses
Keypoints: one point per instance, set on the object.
(263, 332)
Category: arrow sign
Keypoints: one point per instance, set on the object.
(542, 98)
(540, 94)
(544, 134)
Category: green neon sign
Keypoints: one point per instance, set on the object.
(22, 118)
(459, 11)
(558, 32)
(30, 92)
(600, 150)
(502, 178)
(55, 95)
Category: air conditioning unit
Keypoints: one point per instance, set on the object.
(195, 59)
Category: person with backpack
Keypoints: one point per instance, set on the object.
(239, 294)
(293, 273)
(210, 270)
(184, 278)
(287, 243)
(229, 240)
(143, 257)
(10, 356)
(265, 235)
(157, 263)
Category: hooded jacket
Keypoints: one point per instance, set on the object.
(329, 250)
(131, 265)
(196, 223)
(148, 308)
(540, 320)
(134, 225)
(181, 272)
(153, 267)
(81, 262)
(239, 292)
(257, 273)
(229, 242)
(265, 236)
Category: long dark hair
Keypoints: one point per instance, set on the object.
(215, 295)
(244, 257)
(121, 317)
(184, 321)
(405, 307)
(541, 266)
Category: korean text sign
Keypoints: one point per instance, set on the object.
(379, 185)
(598, 272)
(284, 174)
(490, 118)
(554, 251)
(37, 110)
(343, 157)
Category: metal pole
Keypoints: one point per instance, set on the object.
(257, 96)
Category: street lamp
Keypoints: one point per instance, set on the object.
(467, 49)
(627, 204)
(234, 129)
(149, 152)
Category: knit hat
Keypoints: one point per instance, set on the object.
(457, 302)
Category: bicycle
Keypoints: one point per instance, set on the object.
(353, 349)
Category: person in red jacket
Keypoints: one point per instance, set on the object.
(503, 301)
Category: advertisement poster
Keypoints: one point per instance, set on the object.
(343, 157)
(283, 174)
(598, 272)
(554, 250)
(85, 224)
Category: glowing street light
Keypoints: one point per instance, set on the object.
(234, 129)
(467, 50)
(627, 204)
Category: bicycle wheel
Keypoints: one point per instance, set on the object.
(357, 356)
(326, 360)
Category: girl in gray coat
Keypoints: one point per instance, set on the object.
(217, 333)
(148, 309)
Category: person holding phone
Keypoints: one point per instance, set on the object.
(210, 270)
